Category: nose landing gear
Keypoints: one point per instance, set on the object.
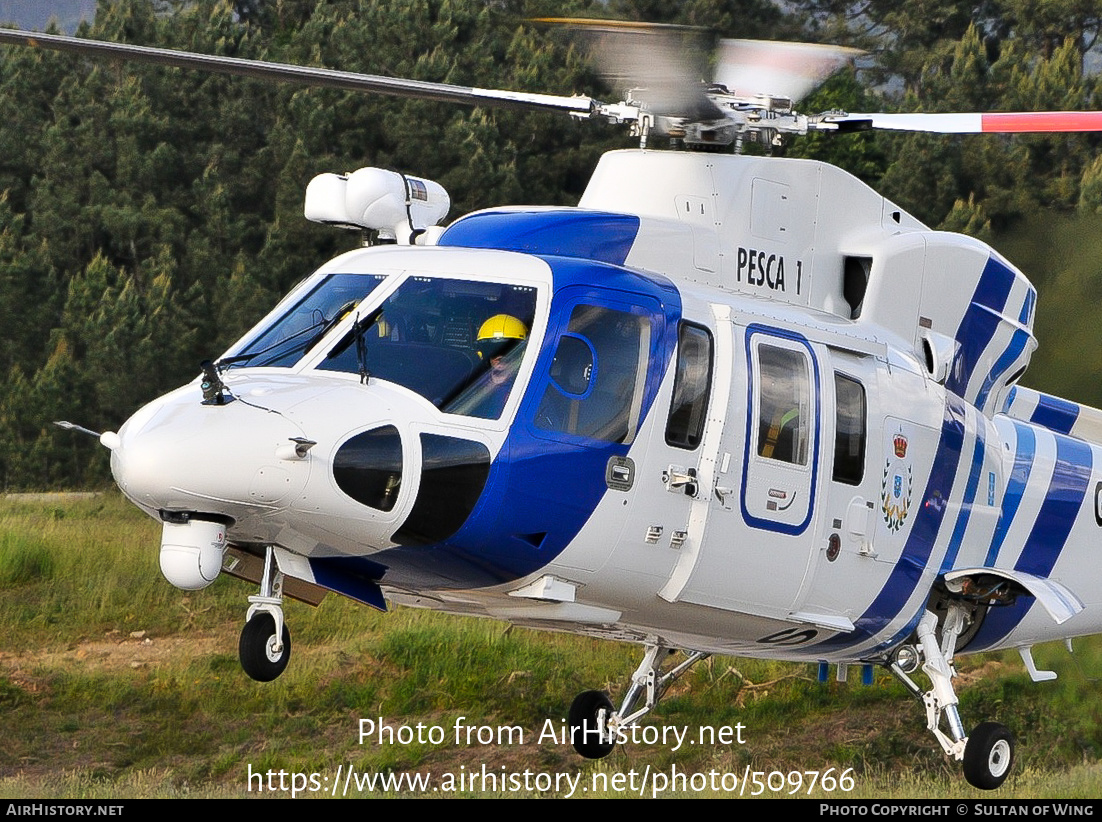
(595, 727)
(265, 645)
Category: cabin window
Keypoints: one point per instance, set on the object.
(689, 407)
(598, 374)
(785, 413)
(849, 430)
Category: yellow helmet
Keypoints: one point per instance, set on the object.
(498, 334)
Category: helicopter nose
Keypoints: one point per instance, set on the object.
(178, 454)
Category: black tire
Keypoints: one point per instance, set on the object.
(988, 756)
(255, 648)
(584, 735)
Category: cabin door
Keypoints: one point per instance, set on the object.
(760, 539)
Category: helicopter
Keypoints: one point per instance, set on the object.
(728, 404)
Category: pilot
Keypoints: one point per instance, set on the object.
(500, 344)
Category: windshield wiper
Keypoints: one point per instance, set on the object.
(356, 335)
(357, 329)
(328, 325)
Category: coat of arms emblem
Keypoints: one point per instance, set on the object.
(897, 484)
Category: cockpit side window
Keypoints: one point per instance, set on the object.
(303, 325)
(849, 431)
(457, 343)
(598, 376)
(689, 406)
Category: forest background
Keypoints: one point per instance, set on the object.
(149, 216)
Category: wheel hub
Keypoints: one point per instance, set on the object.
(999, 758)
(272, 649)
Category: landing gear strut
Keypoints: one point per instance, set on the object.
(988, 753)
(265, 646)
(595, 727)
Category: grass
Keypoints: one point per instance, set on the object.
(113, 685)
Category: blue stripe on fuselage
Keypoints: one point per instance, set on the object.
(915, 556)
(1067, 489)
(1024, 453)
(1055, 414)
(966, 506)
(1070, 478)
(981, 321)
(1018, 343)
(1027, 306)
(588, 235)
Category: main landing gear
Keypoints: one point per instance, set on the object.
(265, 646)
(596, 727)
(988, 753)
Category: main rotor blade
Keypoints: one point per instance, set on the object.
(661, 64)
(319, 77)
(996, 122)
(792, 70)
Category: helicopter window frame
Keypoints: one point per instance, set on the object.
(691, 395)
(778, 490)
(374, 310)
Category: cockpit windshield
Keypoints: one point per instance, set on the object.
(303, 324)
(457, 343)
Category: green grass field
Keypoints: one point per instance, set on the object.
(113, 684)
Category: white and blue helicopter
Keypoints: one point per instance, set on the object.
(729, 404)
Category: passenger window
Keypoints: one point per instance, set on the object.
(597, 376)
(689, 406)
(849, 430)
(785, 410)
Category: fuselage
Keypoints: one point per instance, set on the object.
(755, 409)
